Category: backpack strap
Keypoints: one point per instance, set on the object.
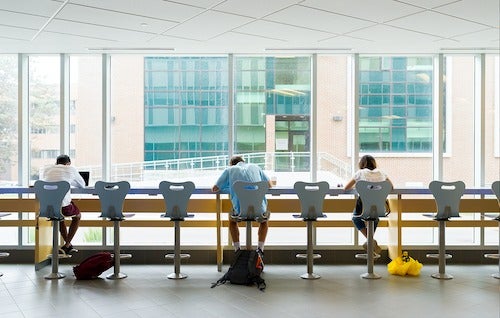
(261, 283)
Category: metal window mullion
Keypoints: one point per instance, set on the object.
(106, 125)
(355, 113)
(438, 118)
(23, 153)
(230, 108)
(64, 136)
(479, 130)
(106, 117)
(314, 121)
(479, 120)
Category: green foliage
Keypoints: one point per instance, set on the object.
(92, 235)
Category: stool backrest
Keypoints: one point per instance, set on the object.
(112, 196)
(250, 196)
(311, 196)
(373, 196)
(447, 196)
(50, 196)
(496, 189)
(176, 196)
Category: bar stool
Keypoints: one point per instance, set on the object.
(50, 196)
(311, 196)
(176, 196)
(112, 196)
(4, 254)
(250, 196)
(496, 189)
(447, 196)
(373, 196)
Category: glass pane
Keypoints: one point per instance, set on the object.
(86, 114)
(460, 132)
(44, 111)
(8, 120)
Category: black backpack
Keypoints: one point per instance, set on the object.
(245, 270)
(93, 266)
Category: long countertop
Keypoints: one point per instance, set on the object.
(275, 191)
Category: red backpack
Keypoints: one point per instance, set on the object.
(93, 266)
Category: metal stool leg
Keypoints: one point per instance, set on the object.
(2, 255)
(55, 253)
(369, 255)
(249, 235)
(441, 256)
(177, 254)
(310, 256)
(496, 256)
(116, 246)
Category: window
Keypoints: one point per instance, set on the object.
(395, 104)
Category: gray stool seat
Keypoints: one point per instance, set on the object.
(50, 196)
(250, 195)
(495, 187)
(111, 197)
(373, 196)
(447, 196)
(311, 196)
(176, 196)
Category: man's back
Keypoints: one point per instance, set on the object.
(63, 173)
(245, 172)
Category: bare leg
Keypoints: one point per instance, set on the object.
(63, 230)
(262, 231)
(235, 231)
(364, 231)
(75, 222)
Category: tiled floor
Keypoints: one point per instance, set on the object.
(339, 293)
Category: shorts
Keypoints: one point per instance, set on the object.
(233, 215)
(70, 210)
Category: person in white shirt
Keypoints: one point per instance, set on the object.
(368, 171)
(63, 171)
(239, 170)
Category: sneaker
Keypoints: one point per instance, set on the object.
(260, 252)
(72, 249)
(68, 250)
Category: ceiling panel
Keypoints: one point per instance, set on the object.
(282, 31)
(98, 32)
(202, 27)
(486, 13)
(392, 37)
(165, 10)
(35, 7)
(113, 19)
(21, 20)
(317, 20)
(436, 24)
(255, 8)
(378, 11)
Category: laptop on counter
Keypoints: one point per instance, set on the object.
(85, 175)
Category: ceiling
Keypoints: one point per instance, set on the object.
(249, 26)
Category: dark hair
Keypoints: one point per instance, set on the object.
(235, 160)
(367, 161)
(62, 160)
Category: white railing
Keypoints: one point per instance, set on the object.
(160, 169)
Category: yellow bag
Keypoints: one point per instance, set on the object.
(404, 265)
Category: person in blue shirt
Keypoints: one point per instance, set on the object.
(239, 170)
